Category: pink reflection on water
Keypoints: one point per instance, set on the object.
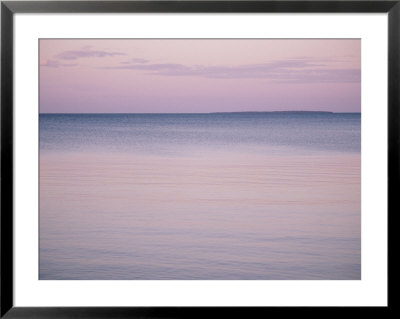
(201, 216)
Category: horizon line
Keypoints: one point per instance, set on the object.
(299, 111)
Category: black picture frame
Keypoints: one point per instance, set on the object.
(9, 8)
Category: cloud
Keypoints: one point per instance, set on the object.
(85, 53)
(300, 70)
(135, 60)
(56, 64)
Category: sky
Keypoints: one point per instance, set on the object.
(199, 75)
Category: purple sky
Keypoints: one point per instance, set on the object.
(185, 76)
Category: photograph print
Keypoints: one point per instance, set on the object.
(200, 159)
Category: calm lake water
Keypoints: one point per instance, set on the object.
(236, 196)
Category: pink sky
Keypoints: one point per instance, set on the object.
(186, 76)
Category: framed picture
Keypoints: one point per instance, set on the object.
(195, 158)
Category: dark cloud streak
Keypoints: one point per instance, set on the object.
(288, 71)
(57, 64)
(77, 54)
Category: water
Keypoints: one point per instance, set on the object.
(237, 196)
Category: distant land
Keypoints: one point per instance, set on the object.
(280, 112)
